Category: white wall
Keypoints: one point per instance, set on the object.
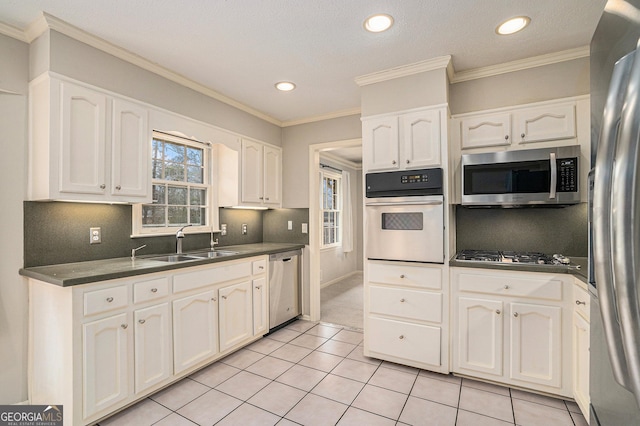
(13, 288)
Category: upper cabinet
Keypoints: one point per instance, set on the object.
(86, 145)
(402, 141)
(547, 122)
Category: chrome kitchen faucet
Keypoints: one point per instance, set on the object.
(179, 237)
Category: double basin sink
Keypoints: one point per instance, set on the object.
(187, 257)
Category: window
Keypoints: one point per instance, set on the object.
(331, 204)
(181, 190)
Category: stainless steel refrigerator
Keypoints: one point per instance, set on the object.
(614, 219)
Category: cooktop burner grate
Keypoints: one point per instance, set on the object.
(512, 257)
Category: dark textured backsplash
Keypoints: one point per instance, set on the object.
(58, 232)
(546, 230)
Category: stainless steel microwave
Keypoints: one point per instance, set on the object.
(522, 177)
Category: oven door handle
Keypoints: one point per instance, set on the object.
(554, 175)
(405, 203)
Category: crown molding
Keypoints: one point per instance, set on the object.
(47, 21)
(322, 117)
(405, 70)
(522, 64)
(13, 32)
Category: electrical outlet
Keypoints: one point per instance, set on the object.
(223, 229)
(244, 229)
(290, 225)
(305, 228)
(95, 236)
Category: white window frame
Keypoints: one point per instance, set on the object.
(138, 230)
(338, 177)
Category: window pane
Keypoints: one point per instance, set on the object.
(177, 215)
(194, 156)
(195, 174)
(156, 149)
(174, 152)
(156, 171)
(198, 197)
(174, 171)
(197, 216)
(153, 216)
(159, 193)
(177, 196)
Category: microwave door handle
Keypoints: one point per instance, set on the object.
(554, 175)
(624, 225)
(601, 217)
(404, 203)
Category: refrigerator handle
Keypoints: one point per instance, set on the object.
(601, 217)
(625, 225)
(554, 175)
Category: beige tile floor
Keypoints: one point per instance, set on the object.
(315, 374)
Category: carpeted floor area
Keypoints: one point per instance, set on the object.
(341, 303)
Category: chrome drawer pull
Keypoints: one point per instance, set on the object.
(124, 326)
(258, 287)
(402, 276)
(506, 287)
(401, 337)
(154, 290)
(580, 303)
(401, 300)
(498, 311)
(109, 299)
(141, 321)
(213, 298)
(118, 187)
(515, 314)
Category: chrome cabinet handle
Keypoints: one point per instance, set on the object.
(498, 311)
(260, 198)
(402, 276)
(402, 300)
(553, 166)
(154, 290)
(124, 326)
(142, 321)
(267, 198)
(224, 297)
(118, 187)
(408, 161)
(260, 267)
(401, 337)
(580, 303)
(258, 287)
(103, 186)
(213, 299)
(522, 135)
(515, 314)
(506, 137)
(393, 162)
(506, 287)
(109, 299)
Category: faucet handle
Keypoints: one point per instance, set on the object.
(133, 251)
(180, 234)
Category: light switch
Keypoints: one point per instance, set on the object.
(305, 228)
(290, 225)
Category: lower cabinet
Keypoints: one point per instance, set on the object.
(195, 329)
(581, 347)
(513, 327)
(260, 306)
(236, 314)
(153, 343)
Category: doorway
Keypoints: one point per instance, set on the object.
(335, 271)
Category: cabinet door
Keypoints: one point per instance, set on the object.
(83, 152)
(195, 325)
(420, 139)
(380, 144)
(252, 172)
(152, 353)
(272, 175)
(545, 123)
(260, 306)
(480, 335)
(236, 322)
(581, 345)
(536, 351)
(486, 130)
(107, 370)
(130, 150)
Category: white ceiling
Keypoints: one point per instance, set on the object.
(241, 48)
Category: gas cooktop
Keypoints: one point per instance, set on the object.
(531, 258)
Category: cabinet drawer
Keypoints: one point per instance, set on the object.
(420, 343)
(150, 290)
(582, 301)
(407, 275)
(258, 267)
(411, 304)
(105, 300)
(511, 285)
(212, 275)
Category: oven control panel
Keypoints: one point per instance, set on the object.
(414, 178)
(404, 183)
(567, 175)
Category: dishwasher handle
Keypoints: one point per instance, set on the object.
(285, 256)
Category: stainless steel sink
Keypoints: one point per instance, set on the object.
(173, 258)
(211, 254)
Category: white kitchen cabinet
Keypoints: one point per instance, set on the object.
(261, 174)
(406, 311)
(548, 122)
(106, 367)
(86, 144)
(513, 327)
(260, 306)
(153, 355)
(236, 314)
(486, 130)
(581, 348)
(402, 141)
(195, 329)
(480, 335)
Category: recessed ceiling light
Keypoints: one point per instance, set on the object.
(285, 86)
(378, 23)
(513, 25)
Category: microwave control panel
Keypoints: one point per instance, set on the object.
(567, 175)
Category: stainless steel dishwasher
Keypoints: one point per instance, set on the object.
(284, 287)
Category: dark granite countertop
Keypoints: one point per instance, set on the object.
(70, 274)
(577, 267)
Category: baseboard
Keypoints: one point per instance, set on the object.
(335, 280)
